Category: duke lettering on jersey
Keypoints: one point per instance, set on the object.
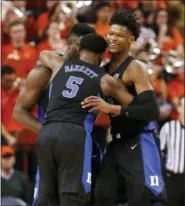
(154, 180)
(75, 81)
(83, 69)
(89, 177)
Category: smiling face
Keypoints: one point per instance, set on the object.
(119, 39)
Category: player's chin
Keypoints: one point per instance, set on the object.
(112, 50)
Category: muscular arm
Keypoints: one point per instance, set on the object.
(36, 82)
(144, 105)
(51, 59)
(113, 87)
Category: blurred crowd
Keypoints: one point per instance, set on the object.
(28, 27)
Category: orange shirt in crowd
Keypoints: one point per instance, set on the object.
(172, 43)
(128, 4)
(42, 22)
(175, 91)
(102, 30)
(23, 60)
(157, 86)
(8, 101)
(162, 4)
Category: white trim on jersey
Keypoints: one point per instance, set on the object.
(172, 141)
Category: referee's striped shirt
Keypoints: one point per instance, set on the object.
(172, 141)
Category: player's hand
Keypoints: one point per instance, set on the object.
(96, 104)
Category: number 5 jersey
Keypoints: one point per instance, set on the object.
(75, 81)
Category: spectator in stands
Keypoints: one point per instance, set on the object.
(10, 16)
(13, 182)
(29, 20)
(10, 128)
(52, 40)
(168, 36)
(146, 33)
(172, 147)
(43, 19)
(103, 12)
(65, 19)
(18, 53)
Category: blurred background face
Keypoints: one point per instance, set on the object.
(18, 33)
(7, 81)
(162, 17)
(7, 162)
(119, 39)
(139, 16)
(103, 14)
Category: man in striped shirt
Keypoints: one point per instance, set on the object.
(172, 147)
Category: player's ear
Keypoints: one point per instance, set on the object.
(132, 39)
(100, 57)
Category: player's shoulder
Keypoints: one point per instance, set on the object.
(137, 66)
(53, 54)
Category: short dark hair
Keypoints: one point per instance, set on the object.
(81, 29)
(16, 22)
(88, 17)
(6, 69)
(101, 5)
(94, 43)
(128, 20)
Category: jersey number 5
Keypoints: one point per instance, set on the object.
(72, 86)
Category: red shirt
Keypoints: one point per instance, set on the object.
(42, 22)
(22, 60)
(44, 46)
(8, 102)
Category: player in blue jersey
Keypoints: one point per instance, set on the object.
(35, 85)
(132, 160)
(37, 89)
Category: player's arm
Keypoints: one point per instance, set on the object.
(51, 59)
(144, 106)
(111, 86)
(36, 82)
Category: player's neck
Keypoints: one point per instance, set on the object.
(88, 58)
(119, 58)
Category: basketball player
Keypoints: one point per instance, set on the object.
(64, 142)
(37, 89)
(132, 160)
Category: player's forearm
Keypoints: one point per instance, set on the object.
(115, 109)
(143, 107)
(28, 120)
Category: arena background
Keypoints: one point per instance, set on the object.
(46, 25)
